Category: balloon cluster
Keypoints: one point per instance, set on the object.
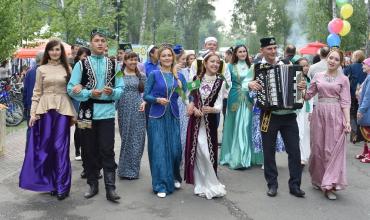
(340, 27)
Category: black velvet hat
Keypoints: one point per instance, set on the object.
(267, 41)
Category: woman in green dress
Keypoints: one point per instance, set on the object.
(237, 150)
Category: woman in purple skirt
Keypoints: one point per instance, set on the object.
(330, 124)
(46, 166)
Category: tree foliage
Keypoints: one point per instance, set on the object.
(260, 18)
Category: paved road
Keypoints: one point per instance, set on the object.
(246, 198)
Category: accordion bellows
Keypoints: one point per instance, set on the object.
(279, 86)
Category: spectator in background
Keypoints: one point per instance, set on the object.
(347, 62)
(356, 77)
(290, 52)
(82, 53)
(316, 59)
(4, 70)
(190, 59)
(319, 67)
(28, 85)
(228, 55)
(22, 74)
(152, 60)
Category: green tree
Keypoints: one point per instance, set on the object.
(197, 10)
(75, 19)
(244, 16)
(20, 20)
(356, 39)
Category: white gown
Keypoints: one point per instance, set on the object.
(304, 131)
(206, 183)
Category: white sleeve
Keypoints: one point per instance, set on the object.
(193, 70)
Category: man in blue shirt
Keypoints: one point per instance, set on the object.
(28, 85)
(152, 60)
(96, 85)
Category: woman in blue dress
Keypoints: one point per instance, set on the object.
(237, 149)
(164, 144)
(131, 119)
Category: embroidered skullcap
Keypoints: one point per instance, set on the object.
(267, 41)
(208, 39)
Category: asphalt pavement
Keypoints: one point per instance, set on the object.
(246, 195)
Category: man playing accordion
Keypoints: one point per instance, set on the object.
(283, 120)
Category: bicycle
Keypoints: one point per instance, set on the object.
(14, 111)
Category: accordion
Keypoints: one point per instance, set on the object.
(279, 86)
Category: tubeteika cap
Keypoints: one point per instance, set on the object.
(208, 39)
(267, 41)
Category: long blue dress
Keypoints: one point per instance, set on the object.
(164, 142)
(131, 127)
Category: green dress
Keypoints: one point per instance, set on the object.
(237, 149)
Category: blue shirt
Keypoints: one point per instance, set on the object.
(28, 85)
(101, 111)
(149, 67)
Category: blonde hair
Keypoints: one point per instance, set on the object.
(173, 68)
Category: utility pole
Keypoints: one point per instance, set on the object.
(334, 8)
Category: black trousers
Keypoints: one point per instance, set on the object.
(77, 140)
(288, 127)
(98, 148)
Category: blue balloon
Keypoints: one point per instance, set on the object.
(333, 40)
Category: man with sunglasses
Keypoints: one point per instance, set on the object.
(96, 85)
(285, 122)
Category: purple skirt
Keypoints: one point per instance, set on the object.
(46, 166)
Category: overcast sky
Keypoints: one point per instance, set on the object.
(224, 10)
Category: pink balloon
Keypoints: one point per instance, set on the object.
(329, 28)
(335, 26)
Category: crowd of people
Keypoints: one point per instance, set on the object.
(174, 100)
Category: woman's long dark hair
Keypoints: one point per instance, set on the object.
(234, 59)
(63, 56)
(80, 52)
(131, 55)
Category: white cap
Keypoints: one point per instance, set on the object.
(208, 39)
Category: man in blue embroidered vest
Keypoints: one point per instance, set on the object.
(95, 84)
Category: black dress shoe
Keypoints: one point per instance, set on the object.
(297, 192)
(272, 192)
(53, 193)
(94, 189)
(62, 196)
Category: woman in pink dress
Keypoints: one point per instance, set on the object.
(329, 126)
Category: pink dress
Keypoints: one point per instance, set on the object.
(327, 163)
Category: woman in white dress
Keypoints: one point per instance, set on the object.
(304, 117)
(201, 149)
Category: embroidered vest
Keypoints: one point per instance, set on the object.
(88, 81)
